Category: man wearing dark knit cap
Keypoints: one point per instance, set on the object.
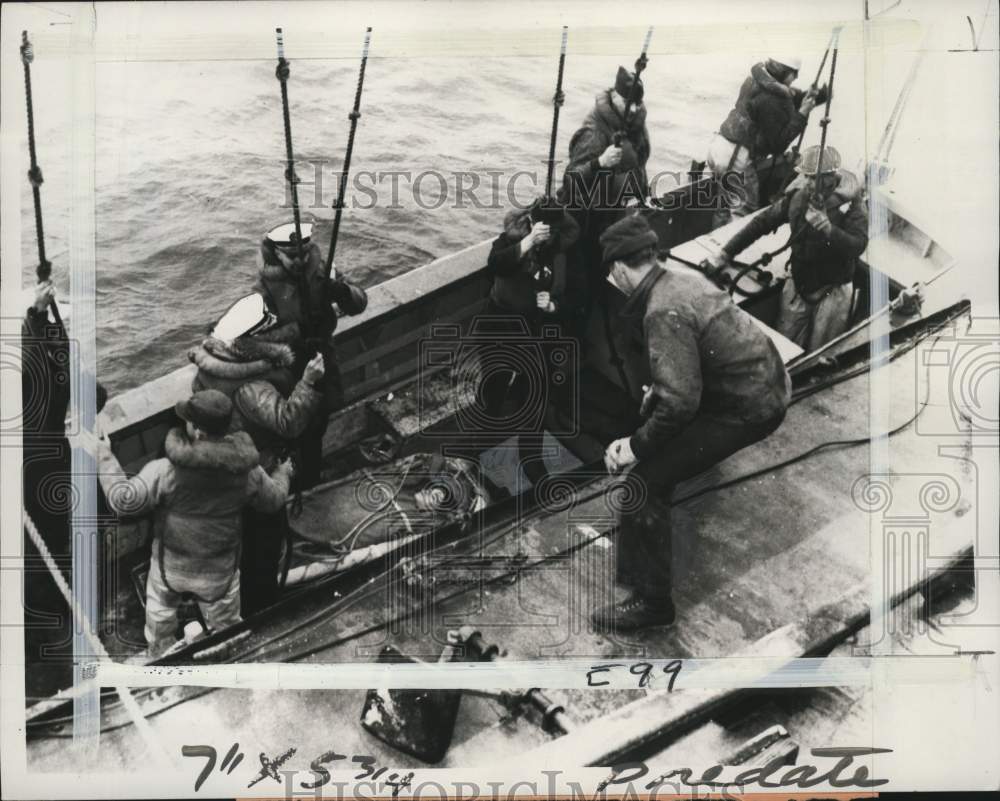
(717, 385)
(196, 494)
(607, 169)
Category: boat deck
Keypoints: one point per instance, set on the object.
(784, 549)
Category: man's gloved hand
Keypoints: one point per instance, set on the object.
(539, 234)
(289, 261)
(93, 442)
(807, 105)
(45, 292)
(619, 456)
(909, 301)
(818, 220)
(712, 264)
(314, 371)
(611, 157)
(285, 467)
(544, 302)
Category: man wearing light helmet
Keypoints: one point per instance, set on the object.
(829, 220)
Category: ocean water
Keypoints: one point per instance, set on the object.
(189, 169)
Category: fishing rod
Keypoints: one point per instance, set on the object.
(44, 269)
(281, 73)
(557, 100)
(796, 363)
(817, 198)
(640, 65)
(546, 209)
(834, 37)
(354, 116)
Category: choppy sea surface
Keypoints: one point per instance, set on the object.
(189, 170)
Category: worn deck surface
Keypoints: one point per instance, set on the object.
(748, 560)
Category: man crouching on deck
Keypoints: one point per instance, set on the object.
(718, 385)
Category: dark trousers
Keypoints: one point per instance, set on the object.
(260, 561)
(645, 534)
(48, 621)
(515, 389)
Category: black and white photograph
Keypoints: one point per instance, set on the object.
(500, 399)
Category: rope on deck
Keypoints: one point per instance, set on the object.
(131, 705)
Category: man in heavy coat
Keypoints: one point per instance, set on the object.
(306, 304)
(272, 407)
(768, 115)
(196, 493)
(717, 385)
(606, 171)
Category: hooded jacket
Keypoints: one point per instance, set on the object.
(706, 356)
(196, 493)
(588, 185)
(766, 118)
(514, 284)
(818, 260)
(257, 377)
(302, 298)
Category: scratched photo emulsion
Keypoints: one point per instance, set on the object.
(585, 402)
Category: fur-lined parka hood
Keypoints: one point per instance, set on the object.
(232, 453)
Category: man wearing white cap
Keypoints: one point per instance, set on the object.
(305, 303)
(769, 113)
(272, 407)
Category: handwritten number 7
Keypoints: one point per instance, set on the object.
(200, 751)
(207, 751)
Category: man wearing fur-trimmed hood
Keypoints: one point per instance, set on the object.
(197, 493)
(270, 406)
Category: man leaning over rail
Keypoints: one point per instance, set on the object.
(718, 385)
